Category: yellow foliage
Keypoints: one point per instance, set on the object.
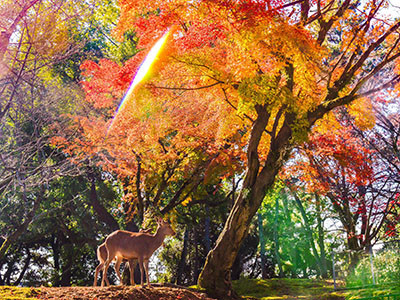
(328, 123)
(187, 201)
(362, 111)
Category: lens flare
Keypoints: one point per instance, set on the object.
(141, 74)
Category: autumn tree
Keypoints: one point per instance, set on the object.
(36, 35)
(161, 163)
(383, 138)
(51, 212)
(342, 167)
(246, 77)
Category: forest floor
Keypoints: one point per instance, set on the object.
(249, 289)
(99, 293)
(287, 289)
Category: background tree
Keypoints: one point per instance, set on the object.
(383, 138)
(295, 234)
(39, 187)
(345, 165)
(30, 42)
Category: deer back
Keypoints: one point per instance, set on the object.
(132, 244)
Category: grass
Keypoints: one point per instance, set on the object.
(18, 293)
(271, 289)
(279, 289)
(378, 290)
(296, 289)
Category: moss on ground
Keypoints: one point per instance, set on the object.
(279, 289)
(18, 293)
(370, 291)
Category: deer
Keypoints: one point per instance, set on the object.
(102, 255)
(135, 245)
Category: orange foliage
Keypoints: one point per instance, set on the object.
(332, 157)
(227, 58)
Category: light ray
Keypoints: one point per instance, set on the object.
(141, 74)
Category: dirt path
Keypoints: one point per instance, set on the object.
(120, 293)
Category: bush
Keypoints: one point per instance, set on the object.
(386, 263)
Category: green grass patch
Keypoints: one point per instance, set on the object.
(371, 291)
(279, 289)
(18, 293)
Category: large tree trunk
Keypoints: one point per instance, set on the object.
(215, 277)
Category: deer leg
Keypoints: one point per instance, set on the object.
(116, 267)
(96, 274)
(140, 260)
(105, 269)
(132, 266)
(110, 258)
(146, 268)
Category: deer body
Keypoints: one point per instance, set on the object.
(135, 245)
(102, 255)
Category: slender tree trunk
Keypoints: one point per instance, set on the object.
(55, 246)
(355, 251)
(1, 278)
(207, 238)
(197, 263)
(276, 239)
(216, 275)
(10, 270)
(321, 242)
(182, 261)
(67, 265)
(309, 233)
(25, 268)
(237, 267)
(262, 246)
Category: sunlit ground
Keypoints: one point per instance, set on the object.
(271, 289)
(287, 289)
(11, 293)
(310, 289)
